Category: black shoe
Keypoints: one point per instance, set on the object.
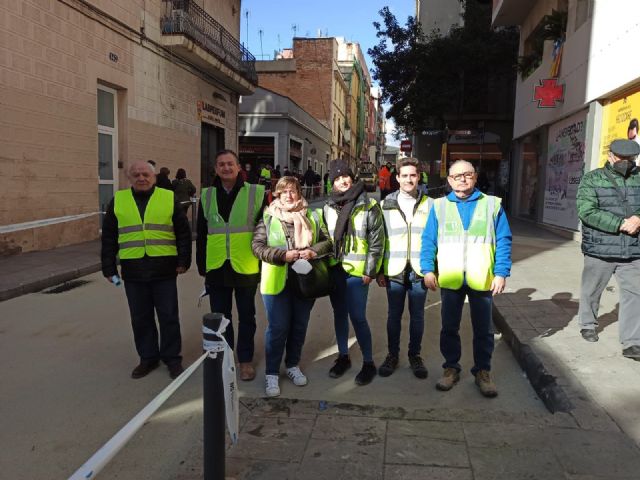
(417, 366)
(342, 364)
(144, 368)
(366, 374)
(175, 369)
(589, 335)
(389, 365)
(632, 352)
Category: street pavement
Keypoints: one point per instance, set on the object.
(66, 390)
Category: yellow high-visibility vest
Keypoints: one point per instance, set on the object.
(273, 278)
(356, 252)
(404, 240)
(232, 240)
(466, 254)
(155, 236)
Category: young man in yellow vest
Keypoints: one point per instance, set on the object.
(229, 212)
(150, 233)
(467, 241)
(405, 216)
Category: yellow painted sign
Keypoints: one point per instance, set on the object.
(616, 117)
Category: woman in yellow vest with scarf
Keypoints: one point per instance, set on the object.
(288, 231)
(356, 227)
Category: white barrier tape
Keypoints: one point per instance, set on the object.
(16, 227)
(96, 463)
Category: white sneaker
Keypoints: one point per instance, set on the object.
(272, 389)
(297, 377)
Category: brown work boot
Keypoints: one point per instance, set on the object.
(450, 377)
(247, 372)
(484, 383)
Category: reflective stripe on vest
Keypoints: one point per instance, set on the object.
(466, 254)
(404, 240)
(232, 240)
(273, 278)
(155, 236)
(356, 248)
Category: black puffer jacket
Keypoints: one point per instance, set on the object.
(145, 268)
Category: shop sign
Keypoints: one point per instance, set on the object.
(565, 165)
(211, 114)
(548, 93)
(616, 119)
(405, 146)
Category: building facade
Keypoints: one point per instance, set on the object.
(276, 131)
(88, 86)
(577, 91)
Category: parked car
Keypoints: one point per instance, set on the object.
(368, 174)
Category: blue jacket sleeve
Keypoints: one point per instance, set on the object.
(502, 267)
(429, 247)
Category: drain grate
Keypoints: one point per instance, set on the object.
(66, 286)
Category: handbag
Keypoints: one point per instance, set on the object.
(315, 284)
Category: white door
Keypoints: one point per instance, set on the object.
(107, 147)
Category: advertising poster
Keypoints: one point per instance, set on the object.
(618, 120)
(565, 165)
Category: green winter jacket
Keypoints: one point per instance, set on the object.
(602, 212)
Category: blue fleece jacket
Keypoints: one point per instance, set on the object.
(466, 206)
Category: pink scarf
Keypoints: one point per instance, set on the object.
(297, 215)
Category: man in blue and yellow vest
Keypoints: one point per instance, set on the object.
(229, 212)
(405, 215)
(466, 251)
(149, 231)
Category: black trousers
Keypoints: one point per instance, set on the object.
(145, 300)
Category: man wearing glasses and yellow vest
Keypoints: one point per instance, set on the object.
(150, 233)
(466, 251)
(228, 215)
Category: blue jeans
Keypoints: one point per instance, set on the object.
(146, 299)
(288, 317)
(480, 304)
(220, 299)
(349, 300)
(414, 289)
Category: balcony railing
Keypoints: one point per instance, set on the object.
(185, 17)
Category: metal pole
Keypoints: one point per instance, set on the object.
(213, 404)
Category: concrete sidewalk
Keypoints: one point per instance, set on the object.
(537, 315)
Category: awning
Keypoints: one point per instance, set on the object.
(487, 151)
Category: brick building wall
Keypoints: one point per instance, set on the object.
(310, 84)
(52, 59)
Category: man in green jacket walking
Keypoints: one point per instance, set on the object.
(608, 203)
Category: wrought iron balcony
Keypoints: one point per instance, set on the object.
(185, 17)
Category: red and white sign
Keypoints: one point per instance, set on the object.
(405, 146)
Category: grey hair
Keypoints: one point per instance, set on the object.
(457, 162)
(140, 162)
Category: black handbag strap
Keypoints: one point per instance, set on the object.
(621, 196)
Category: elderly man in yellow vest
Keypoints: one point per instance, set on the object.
(405, 216)
(229, 212)
(149, 231)
(467, 241)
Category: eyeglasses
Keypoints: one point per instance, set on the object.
(459, 176)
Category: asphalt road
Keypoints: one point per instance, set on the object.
(66, 389)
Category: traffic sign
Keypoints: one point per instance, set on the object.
(405, 146)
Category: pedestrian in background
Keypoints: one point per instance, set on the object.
(608, 202)
(467, 240)
(162, 179)
(287, 232)
(230, 210)
(405, 215)
(183, 189)
(384, 180)
(148, 231)
(356, 228)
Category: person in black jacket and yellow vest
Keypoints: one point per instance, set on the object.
(229, 212)
(150, 233)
